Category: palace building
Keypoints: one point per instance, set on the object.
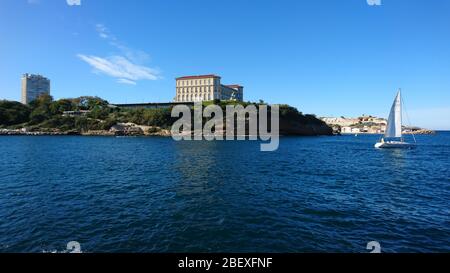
(206, 88)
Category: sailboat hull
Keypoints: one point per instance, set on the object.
(394, 145)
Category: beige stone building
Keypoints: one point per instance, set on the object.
(206, 88)
(34, 86)
(363, 124)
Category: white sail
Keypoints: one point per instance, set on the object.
(394, 126)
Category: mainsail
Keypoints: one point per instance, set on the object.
(394, 125)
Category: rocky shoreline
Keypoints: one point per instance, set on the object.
(9, 132)
(137, 130)
(166, 133)
(420, 132)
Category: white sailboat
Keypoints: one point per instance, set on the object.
(393, 138)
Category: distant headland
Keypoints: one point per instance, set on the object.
(367, 125)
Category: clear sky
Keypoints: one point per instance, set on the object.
(327, 57)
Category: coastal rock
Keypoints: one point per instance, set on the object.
(420, 132)
(97, 133)
(126, 129)
(156, 131)
(22, 132)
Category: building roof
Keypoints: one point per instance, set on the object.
(198, 77)
(28, 75)
(150, 104)
(234, 86)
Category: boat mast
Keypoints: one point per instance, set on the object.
(401, 115)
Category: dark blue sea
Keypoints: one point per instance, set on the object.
(315, 194)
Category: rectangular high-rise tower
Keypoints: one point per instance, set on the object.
(34, 86)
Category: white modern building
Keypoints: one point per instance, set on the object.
(206, 88)
(34, 86)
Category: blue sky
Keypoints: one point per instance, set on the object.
(327, 57)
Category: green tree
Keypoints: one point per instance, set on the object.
(13, 113)
(39, 115)
(40, 109)
(89, 103)
(60, 106)
(108, 123)
(81, 124)
(42, 101)
(99, 112)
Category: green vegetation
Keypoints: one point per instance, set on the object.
(289, 113)
(46, 114)
(94, 114)
(12, 113)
